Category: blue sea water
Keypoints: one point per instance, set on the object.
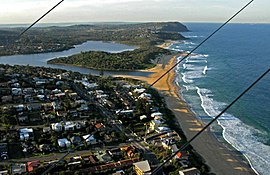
(218, 72)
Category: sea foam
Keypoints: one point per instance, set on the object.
(238, 134)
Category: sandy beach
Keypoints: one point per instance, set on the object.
(221, 159)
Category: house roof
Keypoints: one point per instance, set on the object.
(32, 165)
(190, 171)
(156, 114)
(26, 130)
(99, 126)
(143, 166)
(89, 137)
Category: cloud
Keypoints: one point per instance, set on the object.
(26, 11)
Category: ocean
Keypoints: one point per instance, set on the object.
(218, 72)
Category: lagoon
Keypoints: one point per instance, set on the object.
(40, 59)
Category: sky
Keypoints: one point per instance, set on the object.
(27, 11)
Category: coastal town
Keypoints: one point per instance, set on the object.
(70, 120)
(105, 125)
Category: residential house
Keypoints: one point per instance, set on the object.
(139, 91)
(41, 97)
(16, 91)
(89, 139)
(143, 117)
(31, 166)
(44, 148)
(61, 113)
(56, 91)
(75, 140)
(145, 96)
(154, 124)
(83, 107)
(64, 143)
(28, 98)
(93, 159)
(162, 129)
(46, 129)
(142, 168)
(115, 152)
(100, 126)
(56, 105)
(130, 151)
(19, 108)
(26, 134)
(19, 168)
(60, 95)
(124, 112)
(28, 91)
(57, 127)
(157, 115)
(190, 171)
(34, 107)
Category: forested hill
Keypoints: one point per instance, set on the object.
(50, 39)
(144, 35)
(128, 60)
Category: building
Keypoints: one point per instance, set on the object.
(64, 143)
(26, 134)
(90, 139)
(57, 127)
(18, 168)
(31, 166)
(190, 171)
(142, 168)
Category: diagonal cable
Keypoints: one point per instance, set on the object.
(212, 121)
(40, 18)
(199, 45)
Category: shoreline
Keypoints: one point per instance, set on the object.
(216, 154)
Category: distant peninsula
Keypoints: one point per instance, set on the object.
(144, 35)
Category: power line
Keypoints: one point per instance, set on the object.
(212, 121)
(40, 18)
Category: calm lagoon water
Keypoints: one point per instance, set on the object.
(41, 59)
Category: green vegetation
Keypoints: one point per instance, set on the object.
(146, 36)
(128, 60)
(50, 39)
(53, 38)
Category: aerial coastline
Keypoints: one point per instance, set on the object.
(220, 157)
(217, 156)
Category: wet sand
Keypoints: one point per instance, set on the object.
(221, 159)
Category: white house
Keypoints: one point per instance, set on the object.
(143, 117)
(26, 134)
(16, 91)
(64, 143)
(156, 115)
(69, 126)
(145, 96)
(139, 91)
(57, 127)
(89, 139)
(162, 129)
(190, 171)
